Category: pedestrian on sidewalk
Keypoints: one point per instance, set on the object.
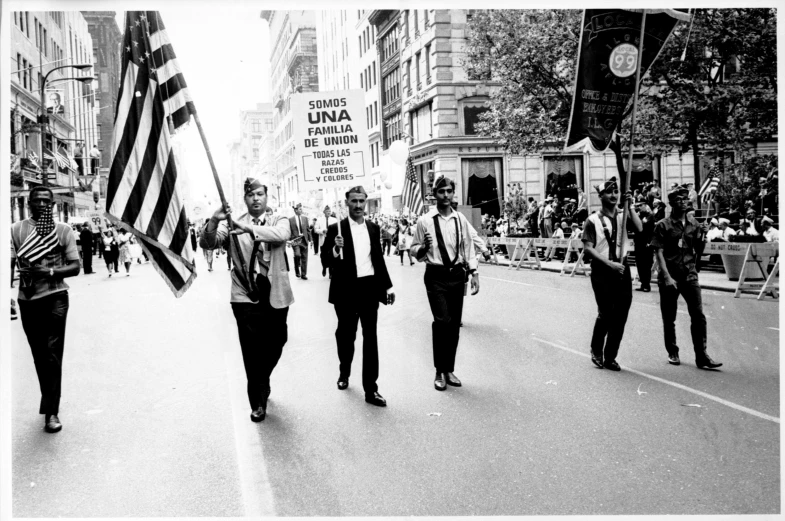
(300, 239)
(610, 274)
(86, 238)
(261, 297)
(405, 241)
(386, 238)
(124, 244)
(360, 281)
(208, 257)
(450, 261)
(644, 254)
(46, 254)
(679, 242)
(111, 251)
(320, 227)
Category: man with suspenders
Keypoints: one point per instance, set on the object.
(450, 261)
(610, 275)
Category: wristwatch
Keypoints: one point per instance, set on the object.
(51, 272)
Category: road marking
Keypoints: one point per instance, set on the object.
(674, 384)
(522, 283)
(258, 500)
(774, 328)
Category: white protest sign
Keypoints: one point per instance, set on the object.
(96, 220)
(330, 138)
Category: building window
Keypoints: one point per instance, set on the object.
(427, 64)
(376, 112)
(406, 25)
(563, 176)
(471, 116)
(392, 129)
(416, 24)
(425, 19)
(483, 180)
(409, 78)
(391, 90)
(389, 44)
(421, 124)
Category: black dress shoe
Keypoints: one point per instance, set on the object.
(674, 360)
(452, 379)
(612, 365)
(439, 383)
(646, 288)
(375, 399)
(324, 272)
(304, 277)
(596, 361)
(297, 275)
(708, 363)
(343, 383)
(52, 423)
(258, 414)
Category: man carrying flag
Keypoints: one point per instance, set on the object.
(46, 254)
(261, 298)
(143, 189)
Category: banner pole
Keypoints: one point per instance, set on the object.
(234, 241)
(632, 133)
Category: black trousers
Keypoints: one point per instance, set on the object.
(87, 259)
(644, 259)
(445, 295)
(263, 332)
(669, 297)
(386, 244)
(43, 321)
(613, 294)
(363, 307)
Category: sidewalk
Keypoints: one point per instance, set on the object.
(708, 279)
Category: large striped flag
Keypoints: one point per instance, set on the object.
(41, 240)
(143, 191)
(412, 195)
(710, 185)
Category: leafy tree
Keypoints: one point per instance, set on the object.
(722, 95)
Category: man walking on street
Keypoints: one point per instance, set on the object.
(300, 239)
(679, 242)
(261, 297)
(450, 261)
(610, 274)
(360, 281)
(46, 254)
(86, 238)
(320, 227)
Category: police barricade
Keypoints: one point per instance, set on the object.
(754, 253)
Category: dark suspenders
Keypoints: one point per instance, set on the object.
(446, 261)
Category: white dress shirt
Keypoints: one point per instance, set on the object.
(362, 248)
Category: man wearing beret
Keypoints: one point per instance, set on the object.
(261, 296)
(679, 242)
(450, 261)
(610, 274)
(359, 282)
(301, 236)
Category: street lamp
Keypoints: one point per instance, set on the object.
(44, 118)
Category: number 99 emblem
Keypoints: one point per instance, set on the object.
(624, 60)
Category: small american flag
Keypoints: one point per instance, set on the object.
(143, 189)
(710, 185)
(412, 195)
(42, 240)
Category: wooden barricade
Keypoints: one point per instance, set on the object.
(759, 255)
(770, 286)
(574, 246)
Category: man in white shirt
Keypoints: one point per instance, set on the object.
(450, 261)
(770, 233)
(726, 230)
(320, 229)
(714, 231)
(358, 283)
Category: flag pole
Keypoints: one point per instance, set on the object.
(234, 241)
(628, 177)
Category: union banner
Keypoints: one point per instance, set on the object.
(607, 62)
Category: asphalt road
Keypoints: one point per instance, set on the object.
(156, 419)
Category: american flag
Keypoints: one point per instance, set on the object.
(42, 240)
(412, 195)
(710, 185)
(143, 192)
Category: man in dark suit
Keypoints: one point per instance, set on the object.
(301, 236)
(359, 282)
(86, 238)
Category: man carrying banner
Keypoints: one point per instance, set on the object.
(301, 236)
(610, 275)
(46, 254)
(260, 310)
(679, 242)
(449, 264)
(359, 282)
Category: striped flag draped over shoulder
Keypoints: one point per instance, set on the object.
(143, 191)
(412, 195)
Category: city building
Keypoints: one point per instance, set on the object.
(107, 39)
(250, 155)
(40, 42)
(293, 62)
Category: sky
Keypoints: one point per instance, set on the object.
(224, 57)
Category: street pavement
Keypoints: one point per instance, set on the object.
(156, 421)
